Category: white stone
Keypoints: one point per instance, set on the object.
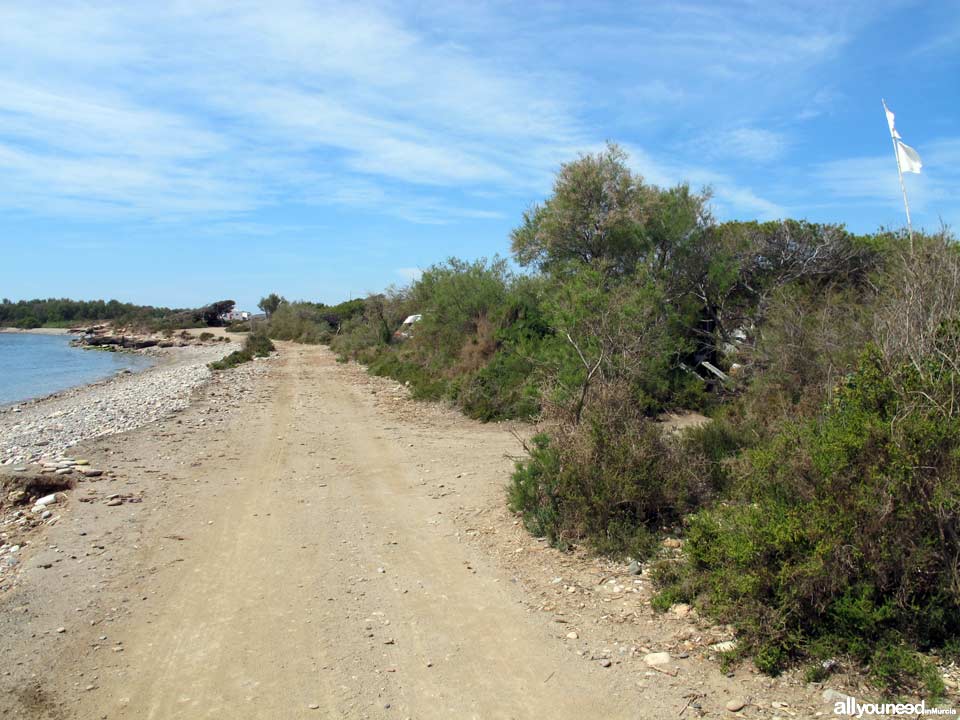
(680, 610)
(833, 696)
(657, 658)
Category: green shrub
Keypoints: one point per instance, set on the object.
(255, 345)
(533, 491)
(315, 334)
(205, 336)
(335, 315)
(27, 323)
(456, 299)
(423, 385)
(715, 444)
(237, 357)
(501, 390)
(470, 347)
(843, 538)
(356, 339)
(301, 322)
(507, 386)
(258, 345)
(613, 481)
(896, 667)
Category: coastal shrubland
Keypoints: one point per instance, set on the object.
(479, 321)
(839, 536)
(302, 321)
(820, 501)
(816, 488)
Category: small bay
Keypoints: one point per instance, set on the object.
(34, 365)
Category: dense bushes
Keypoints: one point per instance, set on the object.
(614, 480)
(256, 345)
(479, 325)
(54, 312)
(303, 322)
(300, 322)
(843, 535)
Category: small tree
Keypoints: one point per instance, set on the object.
(270, 303)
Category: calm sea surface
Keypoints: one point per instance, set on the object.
(36, 365)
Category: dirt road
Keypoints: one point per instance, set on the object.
(327, 576)
(319, 575)
(322, 547)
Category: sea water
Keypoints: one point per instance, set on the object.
(33, 365)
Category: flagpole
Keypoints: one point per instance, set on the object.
(903, 188)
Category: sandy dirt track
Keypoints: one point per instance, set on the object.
(317, 570)
(323, 547)
(283, 601)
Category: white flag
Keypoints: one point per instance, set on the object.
(890, 118)
(909, 159)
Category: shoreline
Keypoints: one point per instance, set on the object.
(47, 426)
(16, 406)
(57, 332)
(36, 331)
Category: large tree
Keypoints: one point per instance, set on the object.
(596, 216)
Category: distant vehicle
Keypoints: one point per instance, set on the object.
(406, 327)
(236, 316)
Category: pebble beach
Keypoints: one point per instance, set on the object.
(45, 428)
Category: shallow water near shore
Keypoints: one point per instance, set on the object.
(33, 366)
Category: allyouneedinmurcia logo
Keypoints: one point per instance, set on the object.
(850, 707)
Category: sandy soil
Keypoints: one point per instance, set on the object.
(308, 542)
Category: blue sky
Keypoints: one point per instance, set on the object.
(179, 152)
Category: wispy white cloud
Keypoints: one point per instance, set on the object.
(741, 144)
(88, 121)
(822, 101)
(730, 198)
(873, 181)
(863, 178)
(331, 102)
(200, 108)
(656, 93)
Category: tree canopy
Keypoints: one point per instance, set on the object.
(270, 303)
